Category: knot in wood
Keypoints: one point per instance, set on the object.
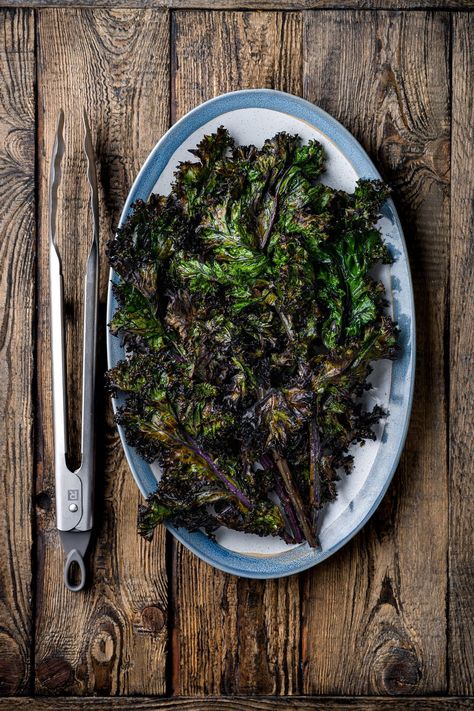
(438, 154)
(103, 647)
(43, 501)
(153, 618)
(401, 671)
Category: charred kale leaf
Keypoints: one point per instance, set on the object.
(251, 319)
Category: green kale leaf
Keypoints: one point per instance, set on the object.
(250, 319)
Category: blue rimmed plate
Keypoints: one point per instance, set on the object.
(252, 116)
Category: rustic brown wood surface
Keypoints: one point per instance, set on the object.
(461, 570)
(253, 4)
(17, 326)
(392, 613)
(241, 703)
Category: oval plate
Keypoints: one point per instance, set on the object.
(252, 116)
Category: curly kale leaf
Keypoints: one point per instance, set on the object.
(251, 320)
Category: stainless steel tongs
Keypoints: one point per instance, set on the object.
(74, 490)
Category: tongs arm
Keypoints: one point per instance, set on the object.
(56, 297)
(86, 471)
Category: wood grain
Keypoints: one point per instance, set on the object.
(242, 703)
(374, 615)
(252, 4)
(17, 326)
(112, 638)
(461, 529)
(253, 625)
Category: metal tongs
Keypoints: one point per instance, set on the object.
(74, 490)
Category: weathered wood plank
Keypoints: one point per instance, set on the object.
(242, 703)
(17, 326)
(215, 52)
(110, 639)
(233, 636)
(374, 616)
(253, 4)
(461, 528)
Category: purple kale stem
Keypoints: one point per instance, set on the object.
(288, 508)
(267, 462)
(280, 490)
(296, 499)
(232, 488)
(314, 459)
(314, 469)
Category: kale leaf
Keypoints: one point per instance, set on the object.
(251, 319)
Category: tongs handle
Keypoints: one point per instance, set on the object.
(74, 557)
(75, 544)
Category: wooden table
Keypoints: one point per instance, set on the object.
(388, 622)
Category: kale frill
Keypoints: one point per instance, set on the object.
(250, 320)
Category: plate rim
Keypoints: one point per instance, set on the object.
(302, 557)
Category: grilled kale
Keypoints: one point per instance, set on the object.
(250, 320)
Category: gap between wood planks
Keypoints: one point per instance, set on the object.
(239, 703)
(243, 5)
